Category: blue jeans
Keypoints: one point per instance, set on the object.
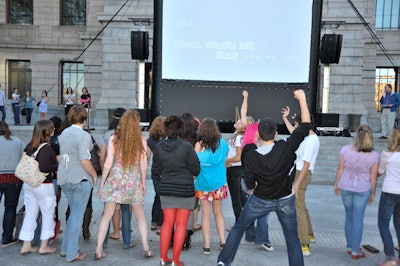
(255, 208)
(77, 196)
(16, 113)
(126, 218)
(11, 193)
(262, 235)
(389, 205)
(3, 113)
(126, 224)
(355, 204)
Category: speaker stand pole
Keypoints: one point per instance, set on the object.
(325, 90)
(141, 75)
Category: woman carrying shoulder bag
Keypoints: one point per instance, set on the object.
(41, 197)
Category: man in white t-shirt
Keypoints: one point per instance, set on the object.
(305, 162)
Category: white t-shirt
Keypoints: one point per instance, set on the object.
(390, 163)
(233, 143)
(307, 151)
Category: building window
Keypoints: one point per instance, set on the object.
(20, 12)
(387, 14)
(19, 76)
(384, 76)
(72, 76)
(73, 12)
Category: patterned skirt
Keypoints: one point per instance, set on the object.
(218, 194)
(123, 186)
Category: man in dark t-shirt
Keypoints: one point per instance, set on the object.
(267, 174)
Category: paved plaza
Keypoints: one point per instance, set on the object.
(325, 208)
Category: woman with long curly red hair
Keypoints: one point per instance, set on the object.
(124, 178)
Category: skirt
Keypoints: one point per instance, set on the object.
(218, 194)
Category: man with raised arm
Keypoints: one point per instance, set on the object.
(267, 173)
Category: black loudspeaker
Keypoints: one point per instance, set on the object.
(144, 115)
(331, 45)
(139, 45)
(327, 120)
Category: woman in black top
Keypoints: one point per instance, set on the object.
(176, 162)
(41, 197)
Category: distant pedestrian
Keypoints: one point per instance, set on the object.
(389, 102)
(15, 99)
(2, 105)
(356, 182)
(43, 105)
(389, 203)
(69, 100)
(28, 106)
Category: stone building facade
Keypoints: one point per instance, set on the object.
(112, 76)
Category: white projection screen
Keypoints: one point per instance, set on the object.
(236, 40)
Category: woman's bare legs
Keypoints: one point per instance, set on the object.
(219, 219)
(205, 222)
(142, 225)
(109, 210)
(116, 219)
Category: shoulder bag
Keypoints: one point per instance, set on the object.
(28, 169)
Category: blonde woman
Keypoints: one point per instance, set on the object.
(124, 178)
(356, 182)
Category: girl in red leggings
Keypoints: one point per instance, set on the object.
(176, 162)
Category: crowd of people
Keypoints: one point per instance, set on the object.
(193, 168)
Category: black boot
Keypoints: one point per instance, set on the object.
(86, 223)
(188, 241)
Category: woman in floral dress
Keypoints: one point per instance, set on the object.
(124, 178)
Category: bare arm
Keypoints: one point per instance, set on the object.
(148, 153)
(300, 177)
(87, 165)
(339, 173)
(374, 177)
(235, 158)
(243, 109)
(103, 154)
(285, 114)
(143, 164)
(305, 113)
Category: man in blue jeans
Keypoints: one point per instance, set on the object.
(267, 173)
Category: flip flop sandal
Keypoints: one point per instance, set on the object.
(81, 256)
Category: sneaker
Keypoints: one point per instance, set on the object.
(206, 251)
(220, 263)
(312, 239)
(221, 246)
(267, 247)
(7, 244)
(306, 250)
